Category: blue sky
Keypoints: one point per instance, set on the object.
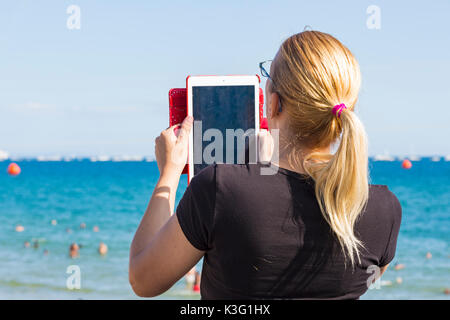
(103, 89)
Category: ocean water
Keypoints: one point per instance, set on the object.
(114, 195)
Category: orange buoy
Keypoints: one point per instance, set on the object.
(13, 169)
(406, 164)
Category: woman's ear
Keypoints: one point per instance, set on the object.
(273, 105)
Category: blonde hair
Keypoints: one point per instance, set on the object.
(312, 73)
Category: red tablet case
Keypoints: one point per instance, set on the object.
(178, 109)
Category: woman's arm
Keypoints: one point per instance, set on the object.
(159, 210)
(160, 254)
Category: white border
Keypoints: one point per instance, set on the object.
(202, 81)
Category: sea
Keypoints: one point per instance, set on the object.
(51, 200)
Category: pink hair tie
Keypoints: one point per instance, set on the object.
(340, 108)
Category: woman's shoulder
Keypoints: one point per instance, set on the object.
(384, 202)
(205, 177)
(229, 170)
(227, 175)
(381, 192)
(224, 174)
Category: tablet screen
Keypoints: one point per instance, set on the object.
(220, 108)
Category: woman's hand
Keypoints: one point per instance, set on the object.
(171, 148)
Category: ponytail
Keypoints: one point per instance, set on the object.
(341, 183)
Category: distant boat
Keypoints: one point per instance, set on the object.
(447, 158)
(119, 158)
(127, 158)
(16, 159)
(4, 155)
(414, 158)
(435, 158)
(104, 158)
(383, 157)
(49, 158)
(100, 158)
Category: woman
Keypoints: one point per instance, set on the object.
(309, 230)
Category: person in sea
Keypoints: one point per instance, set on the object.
(313, 229)
(102, 249)
(74, 250)
(196, 287)
(190, 278)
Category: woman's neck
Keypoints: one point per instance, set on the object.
(291, 162)
(291, 156)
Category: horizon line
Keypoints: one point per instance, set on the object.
(151, 158)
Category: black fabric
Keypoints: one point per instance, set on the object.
(264, 236)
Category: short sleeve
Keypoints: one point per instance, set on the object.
(195, 211)
(396, 214)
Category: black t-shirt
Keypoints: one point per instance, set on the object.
(264, 236)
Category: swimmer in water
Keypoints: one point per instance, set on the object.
(26, 244)
(102, 249)
(386, 283)
(428, 255)
(399, 266)
(190, 278)
(83, 225)
(74, 250)
(196, 287)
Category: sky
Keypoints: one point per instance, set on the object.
(102, 89)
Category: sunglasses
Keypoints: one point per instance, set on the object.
(266, 74)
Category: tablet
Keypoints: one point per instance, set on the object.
(226, 120)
